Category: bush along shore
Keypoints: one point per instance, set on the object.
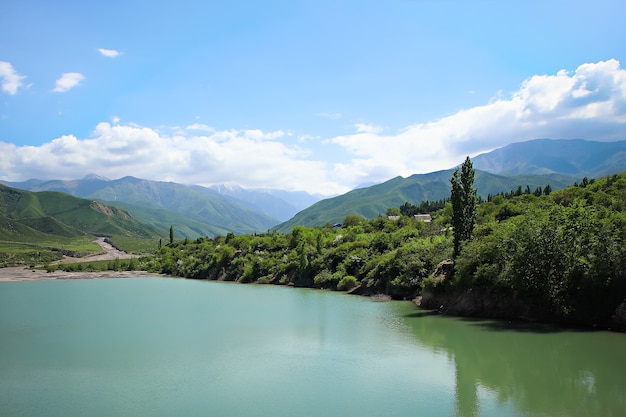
(548, 256)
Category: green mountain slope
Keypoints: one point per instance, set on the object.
(375, 200)
(25, 216)
(185, 225)
(217, 213)
(193, 211)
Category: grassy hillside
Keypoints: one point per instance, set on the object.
(215, 211)
(43, 226)
(194, 211)
(373, 201)
(185, 225)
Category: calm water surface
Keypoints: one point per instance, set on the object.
(162, 347)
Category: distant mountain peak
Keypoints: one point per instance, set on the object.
(94, 177)
(576, 157)
(225, 188)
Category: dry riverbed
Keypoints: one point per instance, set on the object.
(22, 273)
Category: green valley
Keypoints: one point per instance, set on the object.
(39, 227)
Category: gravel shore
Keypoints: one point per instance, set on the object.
(27, 274)
(22, 273)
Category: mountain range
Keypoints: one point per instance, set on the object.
(534, 163)
(209, 211)
(195, 210)
(575, 157)
(375, 200)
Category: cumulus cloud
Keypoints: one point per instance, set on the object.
(109, 53)
(251, 158)
(588, 102)
(11, 80)
(200, 126)
(68, 81)
(367, 128)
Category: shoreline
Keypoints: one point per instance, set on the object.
(19, 273)
(24, 273)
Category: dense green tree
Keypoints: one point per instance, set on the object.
(563, 256)
(352, 220)
(463, 198)
(171, 234)
(547, 190)
(393, 211)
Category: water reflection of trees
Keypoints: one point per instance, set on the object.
(541, 370)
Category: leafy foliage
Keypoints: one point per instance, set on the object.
(463, 198)
(377, 256)
(135, 244)
(564, 255)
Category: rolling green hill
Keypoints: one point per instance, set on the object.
(185, 225)
(56, 222)
(57, 213)
(189, 206)
(375, 200)
(193, 211)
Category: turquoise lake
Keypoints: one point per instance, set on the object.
(176, 347)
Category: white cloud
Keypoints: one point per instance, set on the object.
(367, 128)
(259, 135)
(251, 158)
(201, 127)
(11, 80)
(109, 53)
(588, 103)
(68, 81)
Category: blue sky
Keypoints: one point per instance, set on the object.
(318, 96)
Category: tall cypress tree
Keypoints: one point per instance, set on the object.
(463, 198)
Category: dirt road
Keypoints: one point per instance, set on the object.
(21, 273)
(109, 254)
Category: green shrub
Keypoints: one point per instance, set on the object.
(325, 279)
(347, 283)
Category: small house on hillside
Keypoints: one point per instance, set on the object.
(427, 218)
